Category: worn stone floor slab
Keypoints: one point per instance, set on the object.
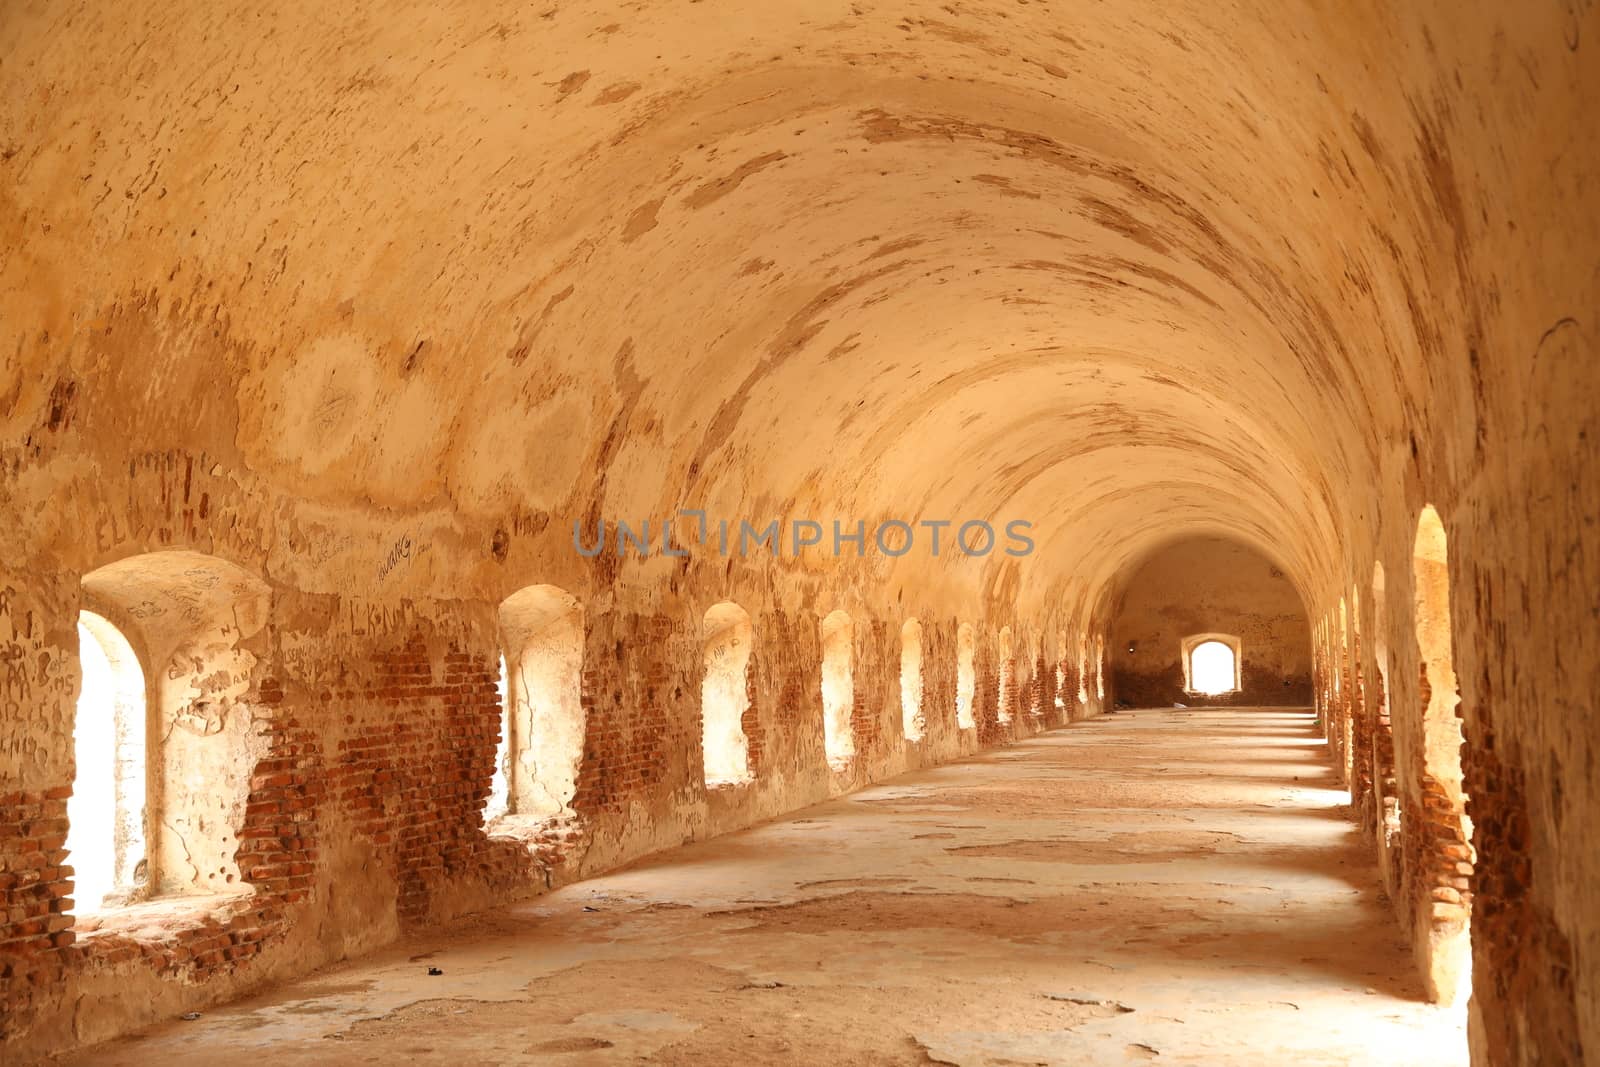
(1169, 886)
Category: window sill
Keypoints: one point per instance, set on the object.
(532, 829)
(159, 918)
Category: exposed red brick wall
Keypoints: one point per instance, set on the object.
(382, 724)
(1042, 693)
(1069, 692)
(1521, 958)
(413, 775)
(35, 937)
(1385, 774)
(631, 726)
(278, 842)
(40, 945)
(1361, 729)
(877, 685)
(1437, 854)
(939, 683)
(987, 667)
(762, 662)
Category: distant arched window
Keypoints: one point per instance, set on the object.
(1063, 697)
(724, 695)
(1100, 667)
(966, 676)
(541, 704)
(106, 812)
(1211, 664)
(838, 688)
(911, 718)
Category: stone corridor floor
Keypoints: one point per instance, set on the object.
(1168, 886)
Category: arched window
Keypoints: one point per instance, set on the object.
(911, 718)
(542, 716)
(1062, 652)
(195, 621)
(966, 676)
(1211, 664)
(724, 694)
(1100, 667)
(838, 688)
(1211, 667)
(106, 812)
(1007, 676)
(1447, 830)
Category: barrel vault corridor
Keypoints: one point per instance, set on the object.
(800, 531)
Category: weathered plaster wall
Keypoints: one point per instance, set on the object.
(372, 303)
(1209, 585)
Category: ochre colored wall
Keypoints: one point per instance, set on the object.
(1209, 585)
(374, 304)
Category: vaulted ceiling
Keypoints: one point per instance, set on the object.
(1128, 271)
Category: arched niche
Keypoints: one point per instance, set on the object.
(838, 688)
(196, 624)
(543, 718)
(724, 694)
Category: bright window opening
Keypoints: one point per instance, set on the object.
(912, 720)
(1100, 667)
(966, 676)
(838, 689)
(541, 701)
(193, 619)
(105, 814)
(724, 695)
(1212, 668)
